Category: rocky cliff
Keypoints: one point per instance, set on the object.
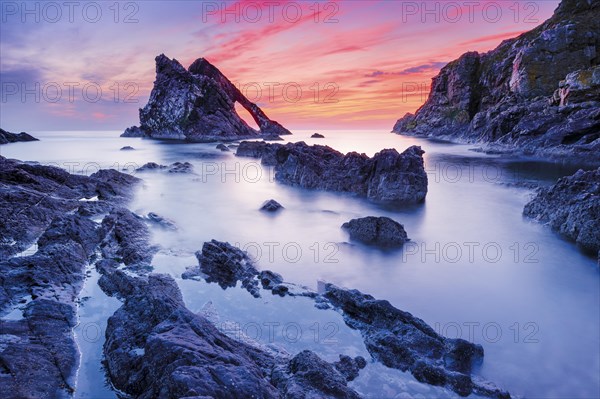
(501, 98)
(197, 104)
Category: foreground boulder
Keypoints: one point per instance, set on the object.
(387, 176)
(8, 137)
(381, 231)
(571, 207)
(501, 99)
(197, 104)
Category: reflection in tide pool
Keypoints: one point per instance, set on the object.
(474, 267)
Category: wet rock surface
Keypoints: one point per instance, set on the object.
(501, 98)
(399, 340)
(379, 231)
(387, 176)
(41, 204)
(8, 137)
(197, 104)
(571, 207)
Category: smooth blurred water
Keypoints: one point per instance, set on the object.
(475, 268)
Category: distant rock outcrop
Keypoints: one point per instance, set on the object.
(8, 137)
(197, 104)
(387, 176)
(501, 98)
(572, 208)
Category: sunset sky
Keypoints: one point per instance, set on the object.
(370, 62)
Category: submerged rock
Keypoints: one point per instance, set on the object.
(501, 98)
(8, 137)
(317, 136)
(127, 148)
(198, 104)
(381, 231)
(571, 207)
(271, 206)
(387, 176)
(177, 167)
(273, 137)
(161, 221)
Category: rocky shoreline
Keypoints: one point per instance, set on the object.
(504, 100)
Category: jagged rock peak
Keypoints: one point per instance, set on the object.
(198, 104)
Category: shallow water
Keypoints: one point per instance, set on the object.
(475, 268)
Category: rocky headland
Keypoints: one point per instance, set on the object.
(387, 176)
(537, 94)
(198, 105)
(8, 137)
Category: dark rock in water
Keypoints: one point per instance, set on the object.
(252, 149)
(272, 137)
(181, 167)
(161, 221)
(225, 264)
(134, 131)
(127, 148)
(8, 137)
(503, 98)
(40, 204)
(222, 147)
(381, 231)
(350, 367)
(280, 290)
(402, 341)
(271, 206)
(198, 104)
(151, 166)
(387, 176)
(572, 208)
(177, 167)
(317, 136)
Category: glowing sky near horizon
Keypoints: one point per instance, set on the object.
(318, 65)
